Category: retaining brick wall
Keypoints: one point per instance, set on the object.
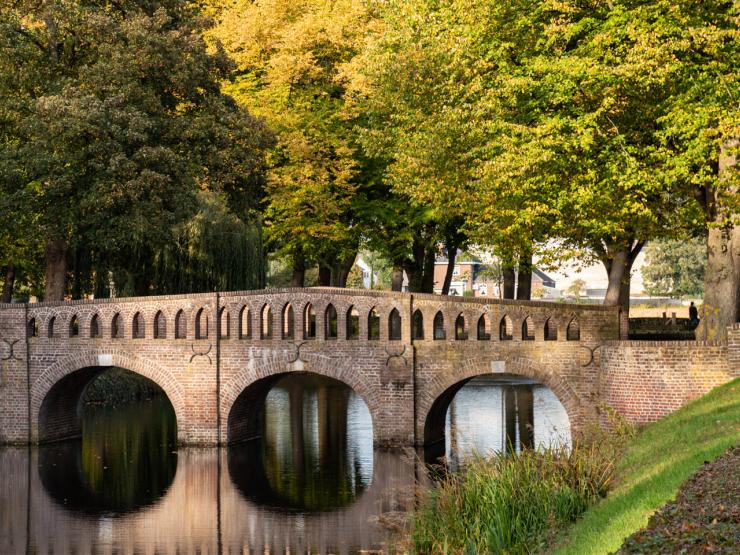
(646, 380)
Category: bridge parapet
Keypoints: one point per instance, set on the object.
(399, 351)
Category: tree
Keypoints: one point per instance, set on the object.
(675, 268)
(120, 121)
(575, 288)
(290, 57)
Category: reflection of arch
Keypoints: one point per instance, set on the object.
(433, 404)
(55, 395)
(113, 483)
(243, 396)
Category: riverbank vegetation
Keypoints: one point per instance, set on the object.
(527, 502)
(512, 503)
(654, 465)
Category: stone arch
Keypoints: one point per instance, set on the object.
(573, 331)
(243, 396)
(95, 331)
(551, 329)
(66, 381)
(287, 322)
(160, 326)
(483, 327)
(394, 325)
(417, 325)
(437, 395)
(461, 332)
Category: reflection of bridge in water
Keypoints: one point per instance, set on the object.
(202, 511)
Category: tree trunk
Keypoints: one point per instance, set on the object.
(397, 278)
(344, 269)
(722, 276)
(509, 282)
(524, 285)
(55, 279)
(8, 285)
(451, 256)
(427, 284)
(298, 278)
(618, 264)
(324, 276)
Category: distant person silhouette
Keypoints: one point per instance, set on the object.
(693, 314)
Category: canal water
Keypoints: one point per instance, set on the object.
(313, 484)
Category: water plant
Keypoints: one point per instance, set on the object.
(512, 503)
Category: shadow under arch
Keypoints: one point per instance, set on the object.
(297, 455)
(57, 393)
(124, 458)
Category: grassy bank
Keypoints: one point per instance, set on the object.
(653, 467)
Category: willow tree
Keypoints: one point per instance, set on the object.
(290, 57)
(122, 119)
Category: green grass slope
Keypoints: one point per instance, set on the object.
(655, 464)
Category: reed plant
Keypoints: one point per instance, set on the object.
(513, 503)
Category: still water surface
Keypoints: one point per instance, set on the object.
(313, 484)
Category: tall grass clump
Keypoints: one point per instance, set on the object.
(512, 503)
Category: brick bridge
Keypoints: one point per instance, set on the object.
(217, 355)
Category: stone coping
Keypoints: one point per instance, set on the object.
(332, 290)
(664, 343)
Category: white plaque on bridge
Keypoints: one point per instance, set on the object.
(498, 366)
(105, 360)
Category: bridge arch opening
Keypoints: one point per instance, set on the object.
(64, 407)
(310, 444)
(483, 413)
(246, 418)
(417, 325)
(95, 327)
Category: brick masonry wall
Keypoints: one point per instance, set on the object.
(215, 367)
(646, 380)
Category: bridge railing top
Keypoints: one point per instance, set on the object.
(334, 291)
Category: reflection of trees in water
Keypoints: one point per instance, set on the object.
(124, 461)
(303, 461)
